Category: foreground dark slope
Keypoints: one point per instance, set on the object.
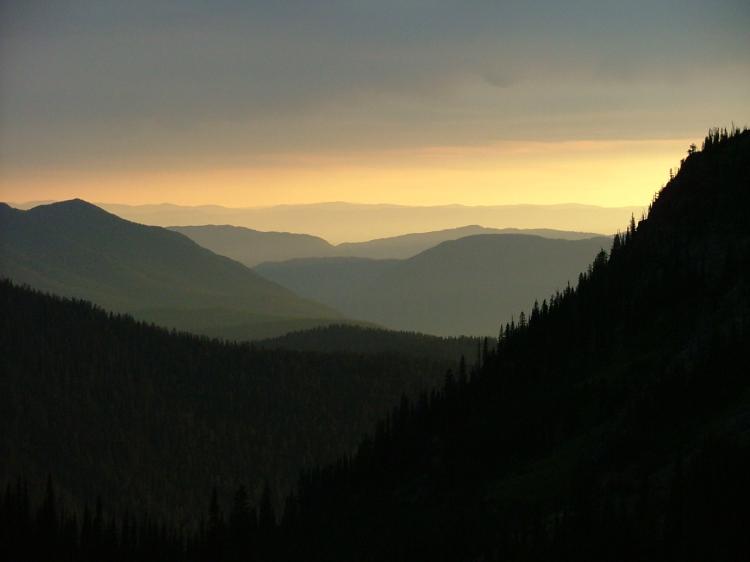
(77, 249)
(465, 286)
(613, 425)
(150, 420)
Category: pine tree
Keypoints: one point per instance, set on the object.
(215, 534)
(240, 526)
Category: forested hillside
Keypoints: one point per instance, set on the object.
(611, 424)
(361, 339)
(151, 420)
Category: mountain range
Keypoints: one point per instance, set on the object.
(252, 247)
(467, 286)
(350, 222)
(76, 249)
(456, 284)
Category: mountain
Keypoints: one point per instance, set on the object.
(151, 420)
(362, 339)
(251, 247)
(76, 249)
(611, 423)
(409, 245)
(350, 222)
(465, 286)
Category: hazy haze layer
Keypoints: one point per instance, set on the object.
(344, 222)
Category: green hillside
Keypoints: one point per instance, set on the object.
(76, 249)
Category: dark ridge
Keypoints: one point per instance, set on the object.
(360, 339)
(610, 423)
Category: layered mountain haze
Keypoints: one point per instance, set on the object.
(465, 286)
(409, 245)
(353, 222)
(76, 249)
(253, 247)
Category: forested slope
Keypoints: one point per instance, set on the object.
(611, 424)
(359, 339)
(151, 419)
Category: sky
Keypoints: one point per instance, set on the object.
(244, 103)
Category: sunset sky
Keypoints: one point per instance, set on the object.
(244, 103)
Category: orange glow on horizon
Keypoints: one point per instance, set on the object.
(606, 173)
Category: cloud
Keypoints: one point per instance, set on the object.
(99, 83)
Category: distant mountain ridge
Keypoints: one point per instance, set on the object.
(76, 249)
(349, 222)
(459, 287)
(252, 247)
(409, 245)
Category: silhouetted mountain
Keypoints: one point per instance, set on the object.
(464, 286)
(77, 249)
(611, 423)
(409, 245)
(251, 247)
(360, 339)
(150, 420)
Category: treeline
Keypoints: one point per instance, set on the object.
(697, 509)
(359, 339)
(47, 528)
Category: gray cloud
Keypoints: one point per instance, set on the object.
(88, 83)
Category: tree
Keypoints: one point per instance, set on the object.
(215, 534)
(241, 526)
